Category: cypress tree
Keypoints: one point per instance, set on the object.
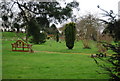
(70, 33)
(57, 37)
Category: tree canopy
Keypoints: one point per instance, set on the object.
(44, 12)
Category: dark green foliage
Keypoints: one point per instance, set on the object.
(17, 26)
(53, 26)
(34, 31)
(43, 12)
(114, 60)
(43, 37)
(50, 11)
(52, 30)
(113, 25)
(43, 21)
(114, 71)
(57, 36)
(4, 18)
(32, 27)
(113, 29)
(70, 33)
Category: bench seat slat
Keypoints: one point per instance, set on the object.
(21, 47)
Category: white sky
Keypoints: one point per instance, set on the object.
(91, 6)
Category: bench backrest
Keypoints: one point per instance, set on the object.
(20, 43)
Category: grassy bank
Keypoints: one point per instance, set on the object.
(62, 64)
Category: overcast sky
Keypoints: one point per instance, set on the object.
(91, 6)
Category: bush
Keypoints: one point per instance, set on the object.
(70, 33)
(34, 31)
(112, 28)
(114, 70)
(43, 37)
(86, 44)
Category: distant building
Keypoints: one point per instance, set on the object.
(119, 10)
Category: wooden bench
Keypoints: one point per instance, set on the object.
(21, 46)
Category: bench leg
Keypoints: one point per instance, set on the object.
(15, 48)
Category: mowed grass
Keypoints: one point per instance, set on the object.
(53, 46)
(11, 35)
(62, 64)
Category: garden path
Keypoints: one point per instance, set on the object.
(62, 52)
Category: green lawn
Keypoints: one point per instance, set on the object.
(62, 64)
(54, 46)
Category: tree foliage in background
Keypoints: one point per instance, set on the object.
(87, 28)
(52, 29)
(103, 38)
(57, 36)
(17, 26)
(70, 34)
(113, 29)
(38, 36)
(34, 31)
(43, 12)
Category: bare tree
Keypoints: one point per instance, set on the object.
(87, 29)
